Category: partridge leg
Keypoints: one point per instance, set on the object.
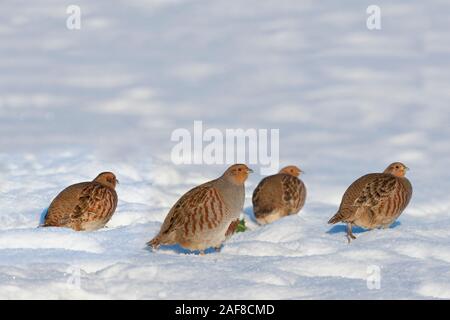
(350, 234)
(218, 248)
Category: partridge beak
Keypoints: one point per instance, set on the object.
(117, 181)
(249, 170)
(406, 169)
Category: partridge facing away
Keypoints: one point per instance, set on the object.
(84, 206)
(375, 200)
(279, 195)
(207, 215)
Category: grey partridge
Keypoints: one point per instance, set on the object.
(279, 195)
(375, 200)
(84, 206)
(207, 215)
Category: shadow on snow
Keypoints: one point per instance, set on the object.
(343, 228)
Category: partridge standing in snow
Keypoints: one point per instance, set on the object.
(375, 200)
(202, 218)
(279, 195)
(84, 206)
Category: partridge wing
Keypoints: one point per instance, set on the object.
(376, 191)
(293, 192)
(94, 199)
(201, 207)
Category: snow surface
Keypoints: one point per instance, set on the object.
(107, 97)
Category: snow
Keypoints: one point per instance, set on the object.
(107, 98)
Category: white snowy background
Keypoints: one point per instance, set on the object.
(347, 101)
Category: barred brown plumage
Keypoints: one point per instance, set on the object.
(84, 206)
(279, 195)
(204, 216)
(375, 200)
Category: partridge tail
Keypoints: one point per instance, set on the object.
(154, 243)
(336, 218)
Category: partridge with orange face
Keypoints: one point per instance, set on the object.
(84, 206)
(206, 215)
(279, 195)
(375, 200)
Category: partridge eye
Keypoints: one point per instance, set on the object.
(239, 169)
